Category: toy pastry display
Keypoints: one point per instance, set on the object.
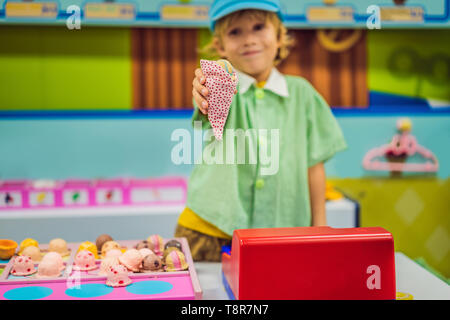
(221, 81)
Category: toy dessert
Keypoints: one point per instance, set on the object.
(118, 276)
(131, 259)
(7, 248)
(33, 252)
(145, 244)
(173, 243)
(106, 264)
(152, 263)
(157, 242)
(89, 246)
(23, 266)
(26, 243)
(101, 239)
(221, 81)
(56, 258)
(109, 245)
(84, 261)
(48, 268)
(145, 252)
(113, 253)
(176, 261)
(59, 245)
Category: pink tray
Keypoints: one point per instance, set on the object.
(75, 285)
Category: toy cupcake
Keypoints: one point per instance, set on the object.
(23, 266)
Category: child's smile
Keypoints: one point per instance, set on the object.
(251, 46)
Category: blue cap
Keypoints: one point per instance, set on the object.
(221, 8)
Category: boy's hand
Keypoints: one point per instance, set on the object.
(199, 91)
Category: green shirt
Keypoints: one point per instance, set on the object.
(244, 195)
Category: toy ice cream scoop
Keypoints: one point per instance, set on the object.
(117, 276)
(89, 246)
(145, 252)
(48, 268)
(106, 264)
(131, 259)
(145, 244)
(101, 239)
(23, 266)
(173, 243)
(176, 261)
(152, 263)
(56, 258)
(7, 248)
(169, 250)
(26, 243)
(113, 253)
(221, 81)
(109, 245)
(59, 245)
(84, 261)
(33, 252)
(158, 244)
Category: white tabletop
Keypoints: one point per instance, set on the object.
(410, 278)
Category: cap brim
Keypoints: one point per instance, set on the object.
(243, 5)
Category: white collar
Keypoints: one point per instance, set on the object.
(276, 82)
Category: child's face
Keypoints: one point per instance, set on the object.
(251, 45)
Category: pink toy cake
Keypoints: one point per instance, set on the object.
(131, 259)
(84, 261)
(117, 276)
(23, 266)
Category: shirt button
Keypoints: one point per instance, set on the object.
(259, 184)
(259, 93)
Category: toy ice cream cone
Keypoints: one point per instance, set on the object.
(221, 81)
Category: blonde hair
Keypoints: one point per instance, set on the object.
(286, 41)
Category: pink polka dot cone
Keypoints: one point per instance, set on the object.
(84, 261)
(221, 81)
(23, 266)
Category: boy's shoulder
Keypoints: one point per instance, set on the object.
(298, 83)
